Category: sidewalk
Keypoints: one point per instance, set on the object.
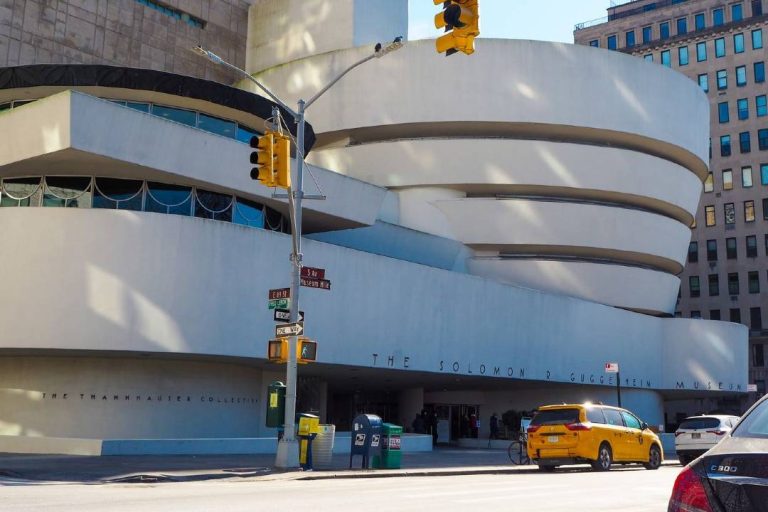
(107, 469)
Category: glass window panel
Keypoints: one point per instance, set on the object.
(759, 71)
(629, 39)
(217, 125)
(709, 183)
(274, 220)
(664, 30)
(701, 51)
(714, 285)
(722, 112)
(68, 191)
(244, 134)
(709, 215)
(647, 34)
(704, 82)
(746, 177)
(666, 60)
(694, 286)
(762, 139)
(700, 21)
(745, 145)
(248, 213)
(738, 43)
(764, 174)
(730, 213)
(725, 145)
(720, 47)
(142, 107)
(612, 42)
(21, 191)
(749, 213)
(718, 17)
(648, 57)
(213, 205)
(682, 26)
(757, 39)
(731, 251)
(737, 12)
(693, 252)
(170, 199)
(595, 43)
(733, 283)
(118, 194)
(752, 246)
(711, 250)
(760, 105)
(188, 117)
(742, 107)
(753, 278)
(682, 56)
(741, 76)
(722, 79)
(727, 179)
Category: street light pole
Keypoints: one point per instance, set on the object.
(288, 447)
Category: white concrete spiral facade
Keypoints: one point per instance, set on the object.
(605, 187)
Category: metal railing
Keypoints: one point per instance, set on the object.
(626, 14)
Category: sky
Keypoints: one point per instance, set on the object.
(545, 20)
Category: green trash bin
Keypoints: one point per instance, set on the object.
(390, 447)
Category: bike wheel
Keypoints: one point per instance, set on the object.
(517, 453)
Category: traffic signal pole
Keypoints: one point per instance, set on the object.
(288, 447)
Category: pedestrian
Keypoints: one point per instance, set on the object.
(432, 419)
(418, 424)
(494, 425)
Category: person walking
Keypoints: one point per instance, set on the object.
(494, 426)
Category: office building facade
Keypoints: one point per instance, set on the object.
(719, 45)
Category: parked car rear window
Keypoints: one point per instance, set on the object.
(755, 424)
(595, 415)
(700, 423)
(556, 417)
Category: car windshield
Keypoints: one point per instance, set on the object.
(700, 423)
(755, 424)
(556, 417)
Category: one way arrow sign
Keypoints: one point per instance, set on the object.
(289, 329)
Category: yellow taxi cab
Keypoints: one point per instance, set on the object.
(590, 433)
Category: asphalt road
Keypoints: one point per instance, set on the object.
(626, 489)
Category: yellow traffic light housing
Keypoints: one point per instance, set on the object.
(461, 19)
(264, 159)
(277, 350)
(306, 351)
(283, 161)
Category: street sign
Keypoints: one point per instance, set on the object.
(611, 367)
(280, 293)
(289, 329)
(312, 272)
(280, 303)
(311, 282)
(751, 388)
(284, 315)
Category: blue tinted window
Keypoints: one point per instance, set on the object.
(764, 175)
(736, 12)
(682, 55)
(682, 26)
(717, 17)
(757, 39)
(594, 43)
(612, 42)
(142, 107)
(742, 106)
(648, 57)
(720, 47)
(762, 139)
(216, 125)
(722, 112)
(704, 82)
(738, 43)
(117, 194)
(665, 59)
(701, 21)
(647, 34)
(701, 51)
(745, 146)
(213, 205)
(725, 145)
(248, 213)
(760, 105)
(188, 117)
(741, 76)
(244, 134)
(664, 30)
(759, 68)
(629, 39)
(722, 80)
(170, 199)
(67, 191)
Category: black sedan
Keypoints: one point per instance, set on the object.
(732, 476)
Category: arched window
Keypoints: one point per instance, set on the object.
(163, 198)
(68, 191)
(212, 205)
(21, 192)
(118, 194)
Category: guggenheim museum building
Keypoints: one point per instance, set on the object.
(496, 228)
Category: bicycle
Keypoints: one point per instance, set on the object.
(518, 450)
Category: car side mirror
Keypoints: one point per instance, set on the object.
(643, 426)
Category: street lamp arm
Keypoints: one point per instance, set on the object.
(218, 60)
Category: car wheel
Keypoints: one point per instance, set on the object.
(654, 458)
(684, 459)
(604, 458)
(546, 468)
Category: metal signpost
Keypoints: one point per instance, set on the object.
(614, 368)
(288, 447)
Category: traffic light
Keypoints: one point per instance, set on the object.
(461, 19)
(277, 350)
(306, 350)
(264, 159)
(283, 161)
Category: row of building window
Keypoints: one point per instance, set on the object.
(734, 315)
(713, 281)
(174, 13)
(683, 56)
(729, 213)
(681, 25)
(746, 179)
(193, 118)
(758, 357)
(742, 109)
(745, 143)
(758, 70)
(138, 195)
(731, 251)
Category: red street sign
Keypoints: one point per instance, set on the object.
(316, 283)
(313, 273)
(281, 293)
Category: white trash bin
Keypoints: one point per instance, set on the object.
(322, 446)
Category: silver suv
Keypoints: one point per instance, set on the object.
(698, 434)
